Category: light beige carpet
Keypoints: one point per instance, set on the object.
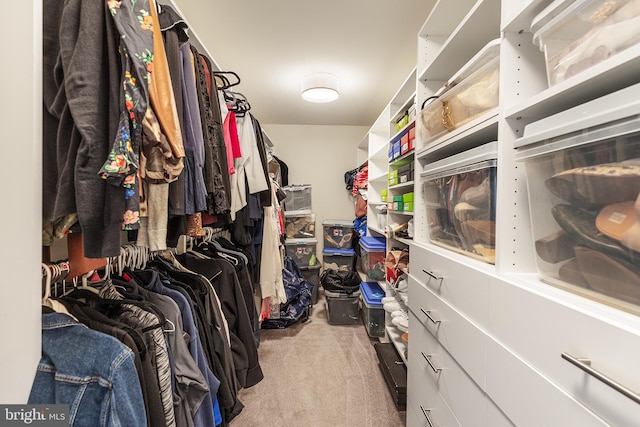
(317, 374)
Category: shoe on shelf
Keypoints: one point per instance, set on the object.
(397, 313)
(385, 300)
(392, 306)
(401, 322)
(402, 285)
(405, 337)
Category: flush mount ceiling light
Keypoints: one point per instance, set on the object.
(320, 87)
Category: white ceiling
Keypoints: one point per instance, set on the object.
(370, 45)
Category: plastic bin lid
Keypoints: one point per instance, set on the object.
(301, 241)
(372, 293)
(474, 156)
(553, 13)
(338, 222)
(341, 294)
(336, 251)
(301, 212)
(600, 111)
(370, 242)
(296, 187)
(488, 53)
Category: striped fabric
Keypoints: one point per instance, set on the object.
(137, 317)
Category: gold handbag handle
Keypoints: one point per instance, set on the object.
(447, 117)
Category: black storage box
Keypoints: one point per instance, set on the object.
(311, 273)
(394, 372)
(405, 173)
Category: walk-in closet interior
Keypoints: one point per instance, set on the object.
(190, 243)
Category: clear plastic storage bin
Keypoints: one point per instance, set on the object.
(469, 94)
(302, 251)
(459, 196)
(372, 310)
(337, 233)
(342, 308)
(583, 181)
(338, 259)
(372, 255)
(298, 197)
(578, 34)
(299, 225)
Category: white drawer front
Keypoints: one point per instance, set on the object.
(439, 415)
(455, 333)
(529, 399)
(463, 287)
(467, 402)
(539, 329)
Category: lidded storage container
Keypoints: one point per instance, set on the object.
(342, 308)
(470, 93)
(460, 197)
(578, 34)
(299, 224)
(338, 259)
(372, 311)
(302, 251)
(298, 197)
(373, 252)
(337, 233)
(583, 178)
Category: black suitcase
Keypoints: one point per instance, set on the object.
(394, 372)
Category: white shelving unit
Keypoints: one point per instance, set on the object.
(379, 138)
(480, 332)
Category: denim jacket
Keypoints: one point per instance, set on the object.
(92, 372)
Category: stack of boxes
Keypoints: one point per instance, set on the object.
(300, 230)
(401, 202)
(338, 254)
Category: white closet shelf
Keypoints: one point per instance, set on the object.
(381, 153)
(403, 107)
(477, 28)
(403, 160)
(401, 186)
(395, 336)
(376, 178)
(405, 241)
(519, 19)
(615, 73)
(401, 213)
(377, 230)
(477, 132)
(443, 18)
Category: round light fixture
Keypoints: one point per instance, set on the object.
(320, 87)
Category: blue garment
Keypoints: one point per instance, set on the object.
(192, 138)
(91, 371)
(206, 414)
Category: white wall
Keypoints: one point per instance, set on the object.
(21, 193)
(320, 155)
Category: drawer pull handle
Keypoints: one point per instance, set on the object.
(425, 412)
(585, 365)
(429, 316)
(428, 359)
(433, 275)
